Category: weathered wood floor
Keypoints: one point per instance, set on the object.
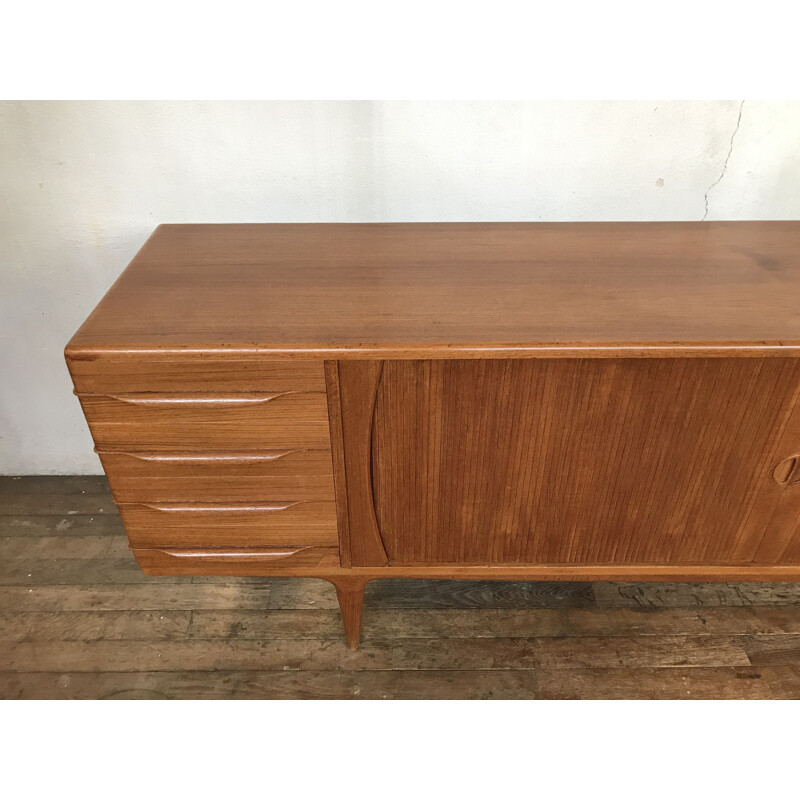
(78, 620)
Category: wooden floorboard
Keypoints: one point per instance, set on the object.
(703, 683)
(489, 623)
(79, 620)
(337, 684)
(410, 593)
(683, 595)
(16, 551)
(35, 525)
(90, 626)
(133, 597)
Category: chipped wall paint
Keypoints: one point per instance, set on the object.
(83, 183)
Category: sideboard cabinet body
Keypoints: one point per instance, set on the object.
(587, 401)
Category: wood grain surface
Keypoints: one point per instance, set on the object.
(231, 421)
(94, 630)
(210, 476)
(576, 461)
(193, 371)
(452, 290)
(230, 524)
(239, 561)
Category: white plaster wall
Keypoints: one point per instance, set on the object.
(82, 184)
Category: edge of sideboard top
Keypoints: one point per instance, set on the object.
(201, 353)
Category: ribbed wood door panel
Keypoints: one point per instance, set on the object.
(578, 461)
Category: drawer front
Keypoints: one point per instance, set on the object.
(224, 475)
(166, 421)
(236, 561)
(100, 373)
(215, 525)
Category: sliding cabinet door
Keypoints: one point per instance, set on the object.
(570, 461)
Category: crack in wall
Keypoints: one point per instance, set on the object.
(727, 159)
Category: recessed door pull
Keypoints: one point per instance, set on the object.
(788, 471)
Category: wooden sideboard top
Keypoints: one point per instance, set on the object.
(456, 290)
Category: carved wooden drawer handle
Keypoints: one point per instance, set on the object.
(225, 508)
(788, 471)
(201, 458)
(186, 401)
(273, 555)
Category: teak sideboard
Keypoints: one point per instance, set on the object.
(569, 401)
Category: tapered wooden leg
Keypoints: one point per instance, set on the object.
(350, 592)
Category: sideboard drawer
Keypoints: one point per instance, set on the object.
(191, 372)
(216, 476)
(236, 560)
(283, 523)
(150, 420)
